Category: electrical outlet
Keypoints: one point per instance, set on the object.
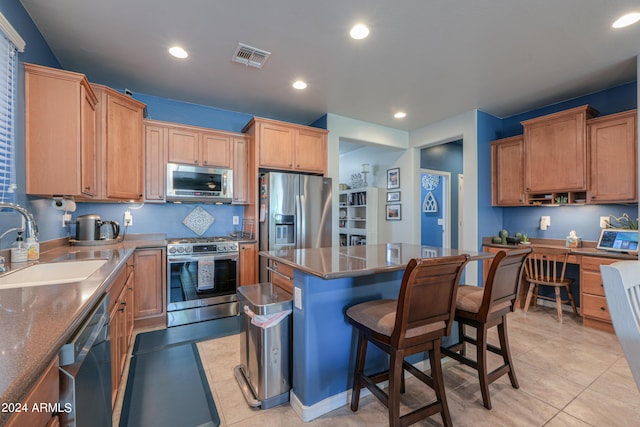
(236, 220)
(128, 219)
(603, 221)
(66, 219)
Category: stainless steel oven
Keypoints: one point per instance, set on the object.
(202, 279)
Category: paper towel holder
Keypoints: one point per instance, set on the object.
(66, 204)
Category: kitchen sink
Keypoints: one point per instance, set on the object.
(51, 273)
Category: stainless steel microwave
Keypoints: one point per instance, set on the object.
(187, 183)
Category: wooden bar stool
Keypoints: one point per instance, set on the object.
(484, 308)
(546, 267)
(414, 323)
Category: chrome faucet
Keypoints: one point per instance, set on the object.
(30, 228)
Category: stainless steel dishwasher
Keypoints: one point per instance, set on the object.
(85, 368)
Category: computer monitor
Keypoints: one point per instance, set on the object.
(618, 240)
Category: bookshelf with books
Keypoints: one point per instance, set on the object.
(358, 216)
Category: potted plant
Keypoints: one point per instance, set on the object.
(622, 222)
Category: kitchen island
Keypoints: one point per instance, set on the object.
(326, 282)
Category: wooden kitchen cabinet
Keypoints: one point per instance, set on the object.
(120, 143)
(613, 148)
(310, 150)
(150, 287)
(61, 139)
(45, 391)
(121, 303)
(155, 162)
(556, 151)
(287, 146)
(281, 275)
(593, 302)
(507, 172)
(242, 174)
(199, 146)
(248, 260)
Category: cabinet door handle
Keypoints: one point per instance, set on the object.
(290, 279)
(205, 162)
(603, 309)
(87, 188)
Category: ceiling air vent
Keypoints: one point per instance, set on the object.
(250, 56)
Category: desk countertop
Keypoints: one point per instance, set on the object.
(587, 248)
(352, 261)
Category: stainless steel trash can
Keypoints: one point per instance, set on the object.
(265, 345)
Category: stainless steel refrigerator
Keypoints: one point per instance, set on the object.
(295, 212)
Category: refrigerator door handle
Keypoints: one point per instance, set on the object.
(297, 221)
(303, 224)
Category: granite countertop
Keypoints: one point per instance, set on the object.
(36, 321)
(352, 261)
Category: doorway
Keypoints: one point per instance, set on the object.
(435, 196)
(446, 159)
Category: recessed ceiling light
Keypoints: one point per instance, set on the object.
(400, 115)
(359, 31)
(626, 20)
(299, 84)
(178, 52)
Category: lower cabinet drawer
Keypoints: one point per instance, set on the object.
(282, 276)
(592, 283)
(595, 306)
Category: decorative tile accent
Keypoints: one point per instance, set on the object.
(198, 220)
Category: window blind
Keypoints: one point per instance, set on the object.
(8, 68)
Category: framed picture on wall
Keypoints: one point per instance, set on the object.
(393, 178)
(393, 196)
(394, 212)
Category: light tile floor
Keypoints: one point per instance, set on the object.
(569, 376)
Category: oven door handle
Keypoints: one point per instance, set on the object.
(175, 260)
(182, 259)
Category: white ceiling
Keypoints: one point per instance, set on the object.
(432, 58)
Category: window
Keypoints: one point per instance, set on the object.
(10, 43)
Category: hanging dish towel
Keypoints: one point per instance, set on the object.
(206, 273)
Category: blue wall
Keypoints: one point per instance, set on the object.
(36, 51)
(614, 100)
(193, 114)
(446, 158)
(489, 218)
(584, 219)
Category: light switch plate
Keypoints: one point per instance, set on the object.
(236, 220)
(297, 298)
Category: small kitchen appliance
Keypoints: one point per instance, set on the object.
(90, 229)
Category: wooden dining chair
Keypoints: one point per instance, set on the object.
(414, 323)
(484, 308)
(547, 267)
(621, 282)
